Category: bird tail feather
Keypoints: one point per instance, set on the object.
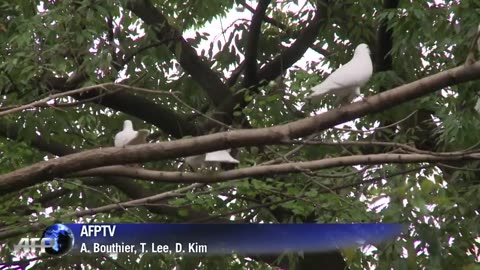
(220, 156)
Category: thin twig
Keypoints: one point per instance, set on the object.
(405, 147)
(134, 203)
(285, 168)
(288, 154)
(106, 196)
(378, 128)
(375, 179)
(458, 168)
(45, 100)
(201, 220)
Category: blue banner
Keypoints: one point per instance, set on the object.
(215, 238)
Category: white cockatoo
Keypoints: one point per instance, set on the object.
(210, 159)
(346, 81)
(129, 136)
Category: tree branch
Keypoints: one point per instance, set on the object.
(10, 130)
(135, 105)
(278, 65)
(132, 203)
(53, 198)
(128, 57)
(385, 40)
(251, 48)
(293, 53)
(285, 28)
(125, 185)
(44, 171)
(217, 91)
(256, 171)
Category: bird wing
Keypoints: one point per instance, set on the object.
(117, 140)
(122, 138)
(348, 77)
(139, 138)
(220, 156)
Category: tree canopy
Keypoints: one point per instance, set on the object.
(72, 71)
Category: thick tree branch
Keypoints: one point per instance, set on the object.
(126, 185)
(256, 171)
(282, 62)
(287, 30)
(235, 74)
(251, 48)
(385, 40)
(293, 53)
(44, 101)
(217, 91)
(44, 171)
(135, 105)
(10, 130)
(147, 110)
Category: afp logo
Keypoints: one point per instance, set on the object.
(57, 239)
(31, 244)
